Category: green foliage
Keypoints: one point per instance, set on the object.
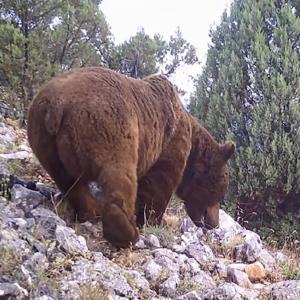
(289, 272)
(142, 55)
(42, 38)
(165, 235)
(282, 233)
(249, 92)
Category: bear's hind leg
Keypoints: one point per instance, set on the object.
(119, 187)
(44, 147)
(85, 205)
(73, 190)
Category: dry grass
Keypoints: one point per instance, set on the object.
(288, 270)
(10, 261)
(225, 250)
(175, 208)
(164, 234)
(129, 258)
(92, 291)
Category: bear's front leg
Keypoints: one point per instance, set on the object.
(155, 190)
(119, 194)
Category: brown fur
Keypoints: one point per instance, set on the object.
(120, 147)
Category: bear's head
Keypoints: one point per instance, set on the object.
(205, 182)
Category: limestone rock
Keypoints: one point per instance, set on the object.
(8, 290)
(152, 270)
(69, 241)
(203, 280)
(140, 244)
(267, 260)
(238, 277)
(289, 290)
(193, 295)
(46, 221)
(168, 287)
(187, 225)
(220, 269)
(201, 252)
(25, 198)
(230, 291)
(38, 262)
(19, 155)
(250, 250)
(152, 241)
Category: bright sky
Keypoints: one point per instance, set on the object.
(194, 17)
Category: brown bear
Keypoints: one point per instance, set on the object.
(119, 147)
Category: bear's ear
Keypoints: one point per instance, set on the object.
(227, 150)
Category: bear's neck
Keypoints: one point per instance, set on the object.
(202, 140)
(203, 148)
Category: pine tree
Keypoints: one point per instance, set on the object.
(42, 38)
(143, 55)
(249, 92)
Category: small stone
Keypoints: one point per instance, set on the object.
(46, 221)
(169, 260)
(38, 245)
(168, 287)
(250, 250)
(238, 266)
(193, 295)
(289, 289)
(136, 279)
(228, 223)
(192, 266)
(258, 286)
(11, 289)
(201, 252)
(255, 271)
(19, 155)
(88, 226)
(189, 237)
(227, 232)
(152, 270)
(25, 275)
(20, 223)
(140, 244)
(25, 198)
(203, 280)
(267, 260)
(220, 269)
(44, 297)
(238, 277)
(71, 290)
(187, 225)
(11, 241)
(230, 291)
(10, 210)
(152, 241)
(3, 200)
(47, 191)
(37, 263)
(179, 248)
(69, 241)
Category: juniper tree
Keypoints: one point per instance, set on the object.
(249, 92)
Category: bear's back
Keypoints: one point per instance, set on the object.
(117, 105)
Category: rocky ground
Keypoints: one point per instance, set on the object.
(46, 255)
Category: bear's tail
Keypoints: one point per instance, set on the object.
(45, 112)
